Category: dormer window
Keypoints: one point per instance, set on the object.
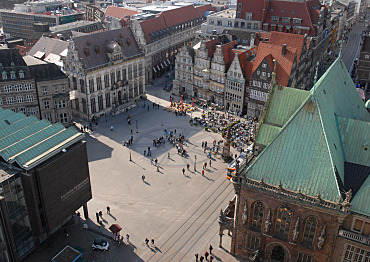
(12, 75)
(275, 18)
(97, 49)
(297, 21)
(4, 75)
(21, 74)
(286, 20)
(12, 64)
(248, 16)
(87, 51)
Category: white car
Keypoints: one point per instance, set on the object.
(100, 244)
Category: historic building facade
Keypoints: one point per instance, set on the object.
(296, 201)
(161, 37)
(17, 85)
(184, 68)
(106, 72)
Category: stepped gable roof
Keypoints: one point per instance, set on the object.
(168, 19)
(46, 46)
(284, 63)
(227, 51)
(323, 139)
(93, 49)
(211, 46)
(203, 8)
(28, 141)
(119, 12)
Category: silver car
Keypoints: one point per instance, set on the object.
(100, 244)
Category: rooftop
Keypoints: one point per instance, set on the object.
(27, 141)
(228, 13)
(323, 141)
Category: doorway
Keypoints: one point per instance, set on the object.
(278, 254)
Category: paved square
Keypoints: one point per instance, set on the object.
(179, 211)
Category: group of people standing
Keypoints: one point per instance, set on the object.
(206, 254)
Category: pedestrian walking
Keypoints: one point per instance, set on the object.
(206, 255)
(100, 213)
(175, 131)
(210, 249)
(147, 241)
(111, 128)
(143, 178)
(127, 238)
(202, 144)
(131, 131)
(205, 143)
(144, 152)
(157, 168)
(201, 259)
(205, 165)
(203, 172)
(148, 107)
(108, 210)
(152, 241)
(168, 155)
(188, 166)
(156, 161)
(97, 218)
(121, 239)
(183, 171)
(211, 258)
(196, 256)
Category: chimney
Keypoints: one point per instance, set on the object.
(283, 50)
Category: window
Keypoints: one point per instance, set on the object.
(17, 88)
(48, 117)
(7, 89)
(33, 111)
(229, 24)
(263, 73)
(252, 243)
(248, 16)
(238, 15)
(286, 20)
(355, 254)
(4, 75)
(56, 90)
(93, 105)
(304, 258)
(264, 65)
(46, 105)
(106, 80)
(63, 117)
(29, 98)
(91, 85)
(62, 104)
(107, 100)
(45, 91)
(63, 89)
(10, 100)
(297, 21)
(367, 56)
(275, 18)
(283, 220)
(20, 99)
(361, 227)
(239, 6)
(309, 232)
(12, 74)
(255, 26)
(21, 74)
(27, 87)
(257, 216)
(98, 83)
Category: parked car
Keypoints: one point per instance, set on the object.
(100, 244)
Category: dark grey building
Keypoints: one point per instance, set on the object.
(363, 65)
(38, 193)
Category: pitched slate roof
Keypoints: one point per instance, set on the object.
(11, 60)
(48, 46)
(98, 45)
(48, 71)
(311, 149)
(28, 141)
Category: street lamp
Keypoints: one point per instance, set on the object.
(137, 129)
(195, 163)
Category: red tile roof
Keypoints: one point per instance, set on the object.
(119, 12)
(211, 46)
(284, 63)
(168, 19)
(227, 51)
(203, 8)
(263, 10)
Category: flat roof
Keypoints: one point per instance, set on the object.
(72, 25)
(159, 8)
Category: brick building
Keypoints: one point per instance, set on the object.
(302, 194)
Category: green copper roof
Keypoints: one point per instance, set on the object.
(266, 133)
(360, 202)
(29, 141)
(286, 101)
(311, 148)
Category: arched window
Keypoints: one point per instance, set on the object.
(283, 220)
(257, 216)
(309, 232)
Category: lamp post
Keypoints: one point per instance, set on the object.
(195, 163)
(137, 129)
